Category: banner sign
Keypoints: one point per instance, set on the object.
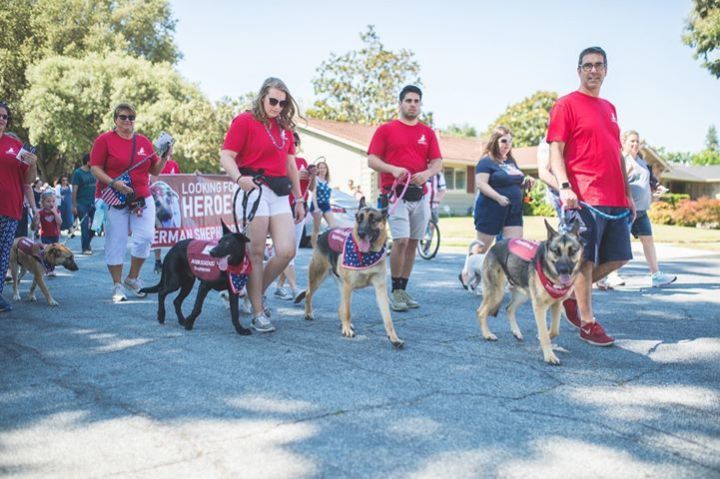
(191, 206)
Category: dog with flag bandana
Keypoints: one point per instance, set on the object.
(356, 257)
(220, 266)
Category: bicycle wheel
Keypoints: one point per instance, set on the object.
(428, 246)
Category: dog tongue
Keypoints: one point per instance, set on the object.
(223, 263)
(363, 245)
(565, 279)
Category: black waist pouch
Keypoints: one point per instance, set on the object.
(281, 185)
(413, 193)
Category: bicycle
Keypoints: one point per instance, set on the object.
(429, 245)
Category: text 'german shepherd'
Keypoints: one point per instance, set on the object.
(369, 234)
(177, 274)
(546, 278)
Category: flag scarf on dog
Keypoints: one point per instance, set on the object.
(342, 242)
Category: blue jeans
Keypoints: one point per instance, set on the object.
(85, 213)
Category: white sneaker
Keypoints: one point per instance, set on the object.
(262, 324)
(135, 285)
(283, 293)
(614, 279)
(118, 293)
(661, 279)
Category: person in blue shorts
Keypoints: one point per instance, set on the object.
(320, 207)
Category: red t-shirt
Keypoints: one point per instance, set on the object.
(410, 147)
(48, 224)
(12, 178)
(255, 149)
(588, 127)
(112, 152)
(171, 168)
(300, 163)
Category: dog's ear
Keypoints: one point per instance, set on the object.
(550, 231)
(225, 229)
(362, 203)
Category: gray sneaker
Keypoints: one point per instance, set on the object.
(411, 303)
(262, 324)
(397, 301)
(661, 279)
(134, 285)
(283, 293)
(118, 295)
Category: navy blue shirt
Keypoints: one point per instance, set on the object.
(505, 178)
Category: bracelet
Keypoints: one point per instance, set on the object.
(297, 201)
(238, 179)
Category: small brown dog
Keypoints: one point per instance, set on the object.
(357, 258)
(25, 255)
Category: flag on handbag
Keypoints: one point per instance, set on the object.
(113, 197)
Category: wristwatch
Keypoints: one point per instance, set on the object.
(565, 185)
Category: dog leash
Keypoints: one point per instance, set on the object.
(247, 217)
(607, 216)
(395, 197)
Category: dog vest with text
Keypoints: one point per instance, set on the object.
(209, 268)
(26, 245)
(341, 241)
(526, 250)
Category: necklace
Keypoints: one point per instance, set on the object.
(281, 146)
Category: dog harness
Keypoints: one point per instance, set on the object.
(27, 246)
(341, 241)
(209, 268)
(526, 250)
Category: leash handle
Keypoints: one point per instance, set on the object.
(247, 217)
(394, 202)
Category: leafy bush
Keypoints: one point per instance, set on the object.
(534, 203)
(674, 198)
(661, 213)
(704, 212)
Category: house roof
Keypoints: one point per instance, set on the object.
(459, 150)
(693, 174)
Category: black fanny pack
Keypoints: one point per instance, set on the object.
(280, 185)
(413, 192)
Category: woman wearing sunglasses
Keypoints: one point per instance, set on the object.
(16, 171)
(498, 205)
(113, 153)
(261, 141)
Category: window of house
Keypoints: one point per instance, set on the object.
(449, 178)
(455, 178)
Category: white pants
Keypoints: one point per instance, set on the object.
(119, 226)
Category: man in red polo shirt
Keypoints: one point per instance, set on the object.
(399, 149)
(585, 158)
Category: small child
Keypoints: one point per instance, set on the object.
(50, 219)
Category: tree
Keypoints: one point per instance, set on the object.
(711, 139)
(464, 130)
(33, 30)
(362, 86)
(706, 157)
(70, 101)
(703, 33)
(527, 119)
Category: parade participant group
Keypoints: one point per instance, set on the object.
(594, 175)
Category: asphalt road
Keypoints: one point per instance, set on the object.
(93, 389)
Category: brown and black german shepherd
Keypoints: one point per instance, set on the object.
(558, 259)
(369, 233)
(54, 254)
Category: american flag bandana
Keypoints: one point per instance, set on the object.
(353, 258)
(113, 197)
(239, 275)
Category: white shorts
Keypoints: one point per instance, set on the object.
(119, 224)
(270, 204)
(410, 219)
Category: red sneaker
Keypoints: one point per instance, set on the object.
(594, 334)
(571, 312)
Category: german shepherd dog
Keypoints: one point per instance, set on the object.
(369, 233)
(176, 274)
(54, 254)
(558, 259)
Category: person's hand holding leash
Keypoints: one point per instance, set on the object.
(568, 198)
(246, 183)
(399, 172)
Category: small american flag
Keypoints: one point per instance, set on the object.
(113, 197)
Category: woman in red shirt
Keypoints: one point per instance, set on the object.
(113, 153)
(262, 140)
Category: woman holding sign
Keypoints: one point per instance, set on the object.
(132, 208)
(261, 141)
(17, 169)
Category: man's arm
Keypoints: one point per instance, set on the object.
(545, 172)
(377, 164)
(434, 167)
(568, 198)
(628, 190)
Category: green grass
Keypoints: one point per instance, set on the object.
(459, 231)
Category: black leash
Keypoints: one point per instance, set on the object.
(247, 218)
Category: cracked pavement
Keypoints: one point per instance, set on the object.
(92, 389)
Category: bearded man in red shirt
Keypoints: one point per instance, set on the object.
(586, 159)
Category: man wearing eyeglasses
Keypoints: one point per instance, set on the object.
(405, 151)
(585, 158)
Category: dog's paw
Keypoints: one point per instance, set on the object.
(518, 335)
(490, 337)
(348, 333)
(309, 317)
(398, 343)
(16, 297)
(32, 298)
(53, 303)
(550, 358)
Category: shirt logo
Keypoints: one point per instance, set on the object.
(613, 118)
(422, 140)
(141, 151)
(11, 151)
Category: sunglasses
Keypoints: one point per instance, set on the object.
(505, 140)
(4, 117)
(276, 102)
(126, 117)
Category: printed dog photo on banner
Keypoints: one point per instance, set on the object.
(167, 205)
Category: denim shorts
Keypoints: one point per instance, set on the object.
(604, 240)
(490, 218)
(641, 226)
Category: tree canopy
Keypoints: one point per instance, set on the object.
(527, 119)
(702, 33)
(362, 86)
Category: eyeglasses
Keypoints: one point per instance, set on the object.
(505, 140)
(275, 102)
(587, 67)
(4, 117)
(126, 117)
